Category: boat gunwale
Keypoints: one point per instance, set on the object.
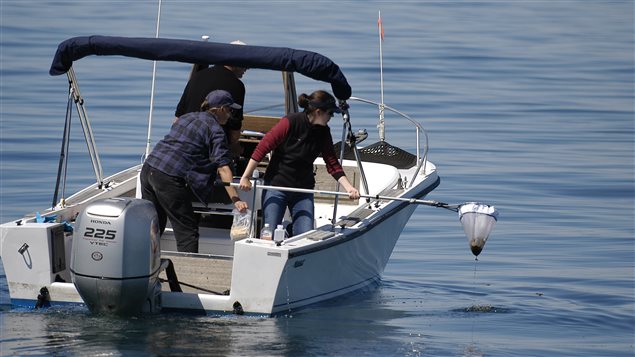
(390, 210)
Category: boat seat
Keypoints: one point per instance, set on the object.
(253, 129)
(380, 152)
(253, 124)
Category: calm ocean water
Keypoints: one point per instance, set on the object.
(528, 105)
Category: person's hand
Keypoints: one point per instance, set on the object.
(241, 206)
(245, 184)
(353, 193)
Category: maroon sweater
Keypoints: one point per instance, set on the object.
(296, 143)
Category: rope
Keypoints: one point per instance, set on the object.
(226, 292)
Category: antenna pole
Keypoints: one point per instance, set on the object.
(154, 75)
(138, 193)
(382, 135)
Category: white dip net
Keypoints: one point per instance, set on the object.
(478, 220)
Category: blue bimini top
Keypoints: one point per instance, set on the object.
(310, 64)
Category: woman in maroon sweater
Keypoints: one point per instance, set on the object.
(296, 141)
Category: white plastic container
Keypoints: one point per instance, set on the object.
(266, 232)
(278, 234)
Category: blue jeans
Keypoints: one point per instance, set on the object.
(275, 203)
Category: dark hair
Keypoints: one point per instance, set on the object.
(319, 97)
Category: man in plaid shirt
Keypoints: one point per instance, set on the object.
(186, 161)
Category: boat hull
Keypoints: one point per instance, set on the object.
(270, 279)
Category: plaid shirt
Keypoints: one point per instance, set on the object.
(194, 149)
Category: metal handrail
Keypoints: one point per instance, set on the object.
(421, 160)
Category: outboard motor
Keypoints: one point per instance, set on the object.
(116, 256)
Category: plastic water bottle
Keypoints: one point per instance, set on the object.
(278, 234)
(266, 232)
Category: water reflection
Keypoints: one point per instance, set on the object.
(325, 329)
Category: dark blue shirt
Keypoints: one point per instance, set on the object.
(194, 149)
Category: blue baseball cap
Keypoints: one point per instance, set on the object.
(221, 98)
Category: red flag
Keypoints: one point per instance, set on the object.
(381, 27)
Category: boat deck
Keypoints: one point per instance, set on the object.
(200, 273)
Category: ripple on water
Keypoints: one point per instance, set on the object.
(486, 309)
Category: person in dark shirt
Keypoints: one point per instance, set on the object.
(186, 162)
(296, 141)
(217, 77)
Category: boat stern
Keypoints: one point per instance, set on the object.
(34, 256)
(256, 275)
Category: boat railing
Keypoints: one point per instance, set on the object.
(422, 158)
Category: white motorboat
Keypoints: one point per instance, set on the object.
(100, 246)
